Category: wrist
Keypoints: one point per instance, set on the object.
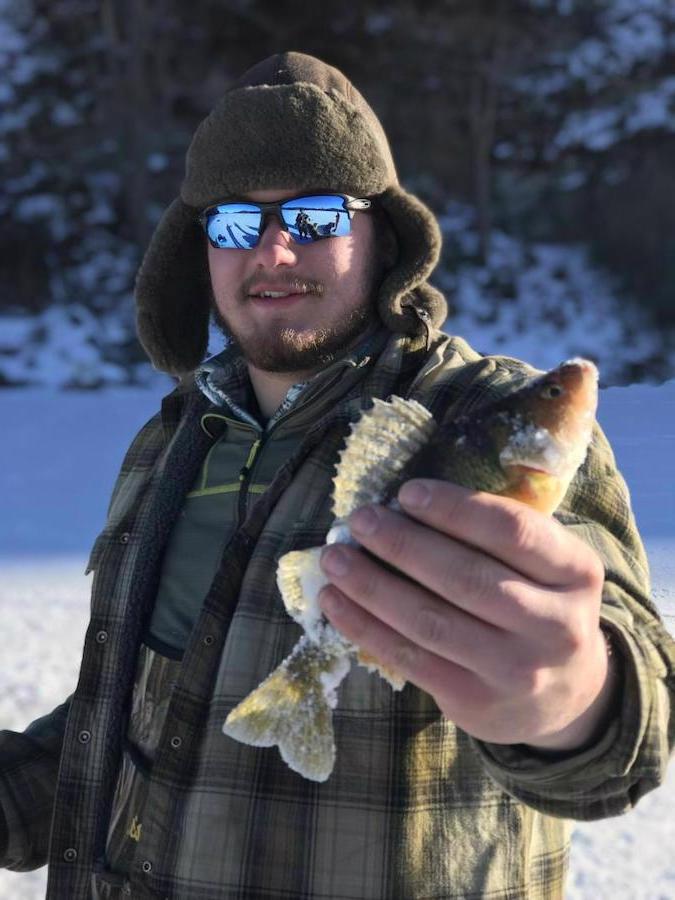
(587, 728)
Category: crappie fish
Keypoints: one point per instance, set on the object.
(526, 446)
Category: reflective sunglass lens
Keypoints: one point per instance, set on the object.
(234, 225)
(312, 218)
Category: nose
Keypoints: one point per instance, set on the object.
(275, 246)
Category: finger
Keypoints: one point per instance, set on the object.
(532, 543)
(460, 574)
(415, 613)
(392, 650)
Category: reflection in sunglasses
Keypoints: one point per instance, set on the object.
(306, 219)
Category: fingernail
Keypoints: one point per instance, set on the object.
(364, 521)
(415, 494)
(334, 561)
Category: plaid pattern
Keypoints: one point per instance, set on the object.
(415, 807)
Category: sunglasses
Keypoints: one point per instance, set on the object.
(306, 219)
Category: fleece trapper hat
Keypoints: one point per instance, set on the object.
(290, 122)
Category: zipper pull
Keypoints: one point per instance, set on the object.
(246, 468)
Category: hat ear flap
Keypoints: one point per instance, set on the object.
(172, 293)
(419, 240)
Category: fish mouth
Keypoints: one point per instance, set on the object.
(529, 469)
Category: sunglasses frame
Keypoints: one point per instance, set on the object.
(351, 205)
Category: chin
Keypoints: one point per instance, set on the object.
(288, 356)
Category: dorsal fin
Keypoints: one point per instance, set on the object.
(379, 446)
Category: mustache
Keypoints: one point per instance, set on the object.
(284, 283)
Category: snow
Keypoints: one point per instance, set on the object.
(601, 128)
(625, 35)
(615, 82)
(66, 345)
(539, 301)
(58, 459)
(542, 302)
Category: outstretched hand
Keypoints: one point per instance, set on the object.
(493, 610)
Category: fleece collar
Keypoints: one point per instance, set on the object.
(223, 379)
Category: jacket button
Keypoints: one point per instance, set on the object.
(84, 737)
(147, 866)
(124, 537)
(70, 855)
(176, 742)
(208, 639)
(101, 637)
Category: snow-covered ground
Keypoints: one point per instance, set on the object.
(58, 458)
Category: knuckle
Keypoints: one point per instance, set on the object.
(404, 657)
(520, 527)
(524, 676)
(594, 571)
(369, 582)
(398, 543)
(455, 502)
(357, 630)
(429, 627)
(586, 568)
(474, 580)
(571, 639)
(567, 638)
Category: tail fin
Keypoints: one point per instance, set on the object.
(292, 708)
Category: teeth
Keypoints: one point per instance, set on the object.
(275, 294)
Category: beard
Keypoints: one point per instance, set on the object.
(307, 350)
(291, 350)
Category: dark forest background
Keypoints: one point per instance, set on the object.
(549, 121)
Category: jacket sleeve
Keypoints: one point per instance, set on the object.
(29, 764)
(630, 757)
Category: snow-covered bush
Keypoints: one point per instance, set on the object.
(543, 303)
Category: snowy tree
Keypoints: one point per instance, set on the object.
(603, 95)
(552, 119)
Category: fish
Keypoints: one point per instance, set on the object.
(526, 445)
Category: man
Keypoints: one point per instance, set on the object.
(540, 676)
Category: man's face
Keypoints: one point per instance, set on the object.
(331, 284)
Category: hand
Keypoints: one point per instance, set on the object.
(493, 609)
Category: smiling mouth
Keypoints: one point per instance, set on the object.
(276, 295)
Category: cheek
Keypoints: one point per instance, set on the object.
(340, 258)
(223, 267)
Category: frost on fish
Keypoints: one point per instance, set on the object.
(299, 579)
(526, 446)
(292, 707)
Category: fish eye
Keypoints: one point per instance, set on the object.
(551, 391)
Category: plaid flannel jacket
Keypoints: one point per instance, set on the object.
(415, 807)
